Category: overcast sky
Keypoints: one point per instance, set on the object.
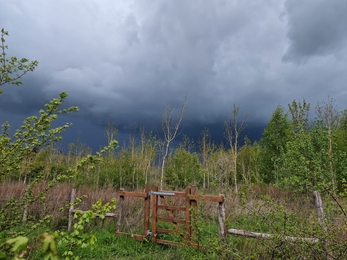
(122, 61)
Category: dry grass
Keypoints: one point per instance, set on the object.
(250, 201)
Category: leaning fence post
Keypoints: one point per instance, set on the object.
(121, 211)
(71, 210)
(320, 209)
(221, 217)
(321, 219)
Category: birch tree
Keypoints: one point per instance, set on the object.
(171, 126)
(329, 116)
(232, 130)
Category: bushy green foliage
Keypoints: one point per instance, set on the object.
(183, 169)
(304, 164)
(35, 133)
(273, 143)
(79, 238)
(20, 154)
(248, 163)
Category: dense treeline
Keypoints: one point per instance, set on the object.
(292, 153)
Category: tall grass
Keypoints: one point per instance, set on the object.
(255, 208)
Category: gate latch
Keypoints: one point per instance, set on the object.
(161, 193)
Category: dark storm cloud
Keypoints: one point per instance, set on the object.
(316, 27)
(25, 99)
(123, 61)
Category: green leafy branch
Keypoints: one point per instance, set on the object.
(35, 133)
(78, 238)
(12, 69)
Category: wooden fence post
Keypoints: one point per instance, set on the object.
(121, 212)
(221, 218)
(71, 213)
(25, 213)
(321, 219)
(188, 215)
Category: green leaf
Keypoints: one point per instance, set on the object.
(2, 255)
(18, 243)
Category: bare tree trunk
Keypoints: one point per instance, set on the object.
(170, 129)
(232, 129)
(163, 164)
(330, 116)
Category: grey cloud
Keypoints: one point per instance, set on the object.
(316, 27)
(123, 61)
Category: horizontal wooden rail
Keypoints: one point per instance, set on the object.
(179, 208)
(72, 210)
(245, 233)
(207, 198)
(132, 194)
(175, 193)
(136, 236)
(172, 220)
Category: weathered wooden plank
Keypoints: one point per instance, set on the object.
(179, 194)
(178, 208)
(172, 220)
(132, 194)
(245, 233)
(207, 198)
(171, 215)
(136, 236)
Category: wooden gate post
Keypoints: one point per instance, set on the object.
(121, 211)
(192, 207)
(146, 211)
(154, 214)
(221, 218)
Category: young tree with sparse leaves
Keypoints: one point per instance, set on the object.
(232, 130)
(170, 127)
(12, 69)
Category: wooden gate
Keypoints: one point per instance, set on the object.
(178, 214)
